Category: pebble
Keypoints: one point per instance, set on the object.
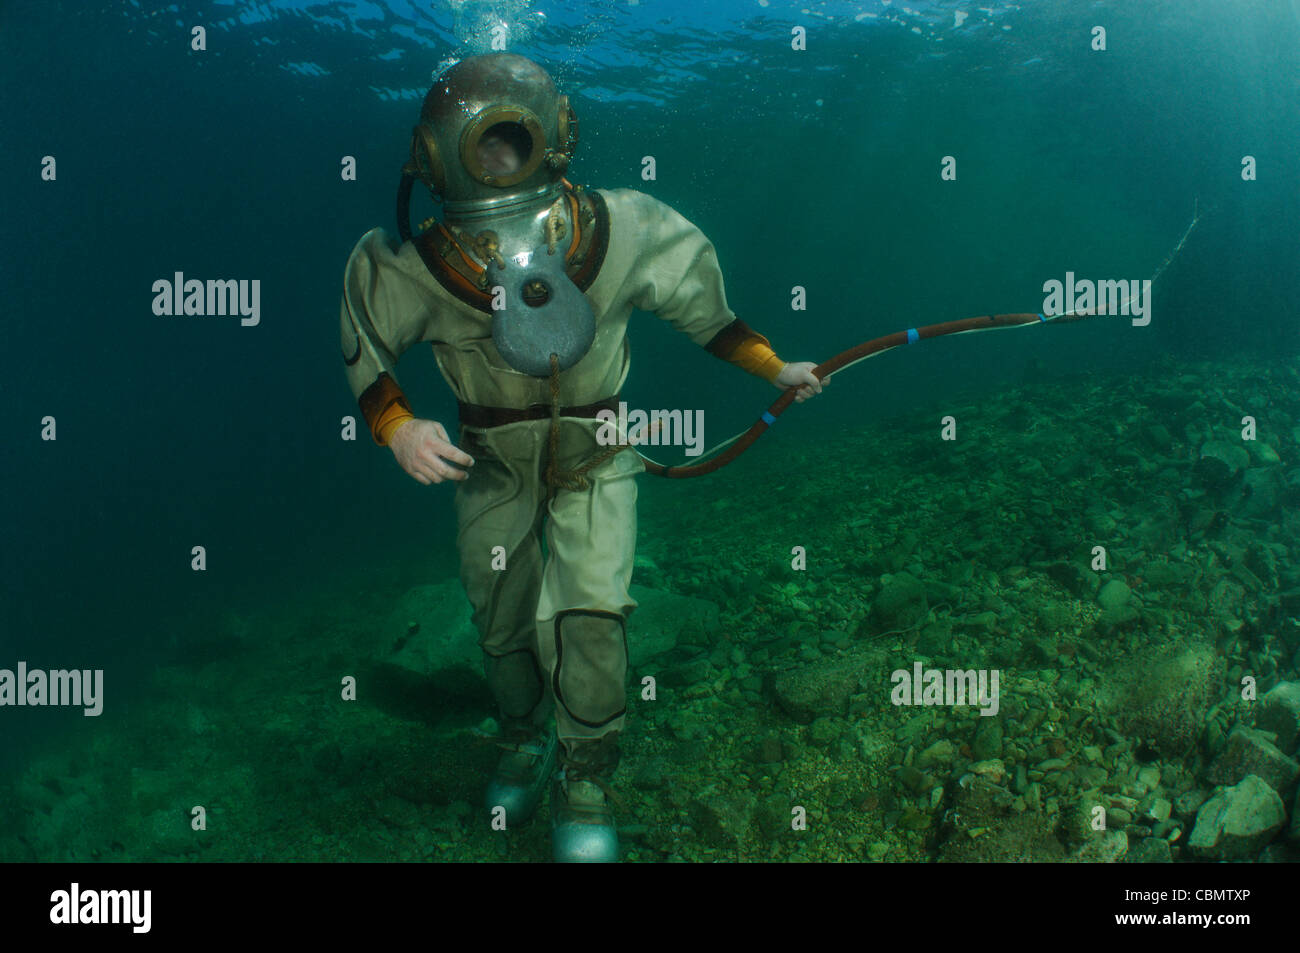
(941, 752)
(1114, 595)
(993, 769)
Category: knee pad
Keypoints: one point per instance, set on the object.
(590, 665)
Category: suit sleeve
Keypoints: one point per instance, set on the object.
(679, 279)
(383, 313)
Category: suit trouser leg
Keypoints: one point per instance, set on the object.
(499, 511)
(584, 603)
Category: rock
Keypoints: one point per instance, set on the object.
(1156, 809)
(1103, 847)
(1079, 580)
(900, 603)
(1220, 461)
(823, 687)
(936, 638)
(430, 629)
(940, 754)
(691, 672)
(774, 816)
(1189, 802)
(1263, 489)
(1237, 821)
(770, 750)
(1114, 595)
(993, 770)
(824, 731)
(1150, 850)
(1056, 616)
(723, 821)
(651, 776)
(662, 619)
(1279, 712)
(168, 832)
(988, 739)
(915, 780)
(1163, 700)
(1262, 452)
(1249, 751)
(1117, 616)
(984, 826)
(1160, 438)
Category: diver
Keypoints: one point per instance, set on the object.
(524, 290)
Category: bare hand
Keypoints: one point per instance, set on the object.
(801, 375)
(422, 449)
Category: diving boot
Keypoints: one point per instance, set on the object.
(521, 777)
(582, 823)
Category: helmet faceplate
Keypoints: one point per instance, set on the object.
(473, 96)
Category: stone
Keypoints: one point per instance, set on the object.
(988, 739)
(770, 750)
(823, 687)
(1262, 452)
(1189, 802)
(1251, 752)
(940, 753)
(1263, 490)
(1165, 699)
(823, 731)
(774, 817)
(900, 603)
(1220, 461)
(1103, 847)
(430, 629)
(1114, 594)
(723, 821)
(915, 780)
(1156, 809)
(1237, 821)
(1118, 616)
(1150, 850)
(662, 619)
(652, 775)
(1279, 712)
(984, 826)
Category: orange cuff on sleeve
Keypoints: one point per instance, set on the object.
(385, 408)
(392, 418)
(756, 356)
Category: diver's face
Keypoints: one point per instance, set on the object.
(498, 156)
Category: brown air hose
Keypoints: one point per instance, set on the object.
(744, 441)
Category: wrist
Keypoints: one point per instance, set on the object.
(390, 427)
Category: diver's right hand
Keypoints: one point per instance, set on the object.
(423, 449)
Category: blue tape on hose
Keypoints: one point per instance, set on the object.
(768, 418)
(912, 336)
(1041, 318)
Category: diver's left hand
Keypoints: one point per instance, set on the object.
(801, 375)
